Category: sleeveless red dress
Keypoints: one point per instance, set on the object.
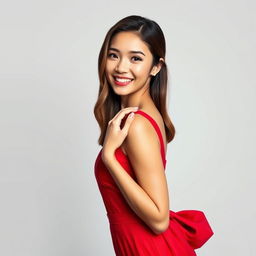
(187, 231)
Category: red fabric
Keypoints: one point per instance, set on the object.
(188, 229)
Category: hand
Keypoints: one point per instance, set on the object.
(114, 135)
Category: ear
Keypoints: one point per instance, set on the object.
(157, 67)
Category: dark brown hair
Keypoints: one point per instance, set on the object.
(109, 103)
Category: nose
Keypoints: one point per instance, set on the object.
(122, 66)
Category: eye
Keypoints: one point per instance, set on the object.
(137, 58)
(110, 54)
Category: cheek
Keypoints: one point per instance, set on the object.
(108, 72)
(110, 66)
(141, 71)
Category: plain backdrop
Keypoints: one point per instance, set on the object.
(50, 202)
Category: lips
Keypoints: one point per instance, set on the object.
(123, 77)
(122, 81)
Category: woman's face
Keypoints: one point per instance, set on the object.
(129, 59)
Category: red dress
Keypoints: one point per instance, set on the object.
(187, 231)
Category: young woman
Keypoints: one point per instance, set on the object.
(130, 167)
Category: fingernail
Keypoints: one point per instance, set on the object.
(131, 115)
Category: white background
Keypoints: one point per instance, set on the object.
(50, 202)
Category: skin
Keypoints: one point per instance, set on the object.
(149, 197)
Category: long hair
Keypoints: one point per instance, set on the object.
(109, 103)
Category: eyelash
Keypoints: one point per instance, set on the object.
(132, 57)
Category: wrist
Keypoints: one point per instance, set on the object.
(107, 156)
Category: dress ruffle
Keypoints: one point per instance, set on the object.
(194, 225)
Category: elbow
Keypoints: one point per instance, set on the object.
(161, 227)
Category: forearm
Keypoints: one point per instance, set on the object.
(134, 194)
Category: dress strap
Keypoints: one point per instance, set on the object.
(158, 131)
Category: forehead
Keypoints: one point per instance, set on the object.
(128, 41)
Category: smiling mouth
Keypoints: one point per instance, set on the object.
(122, 81)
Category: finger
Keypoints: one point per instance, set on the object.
(128, 123)
(123, 111)
(120, 115)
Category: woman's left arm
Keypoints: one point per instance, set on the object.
(149, 197)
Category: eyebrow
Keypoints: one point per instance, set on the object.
(114, 49)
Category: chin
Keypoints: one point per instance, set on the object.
(122, 92)
(121, 89)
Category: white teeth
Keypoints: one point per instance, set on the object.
(122, 80)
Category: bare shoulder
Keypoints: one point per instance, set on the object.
(141, 130)
(142, 144)
(139, 124)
